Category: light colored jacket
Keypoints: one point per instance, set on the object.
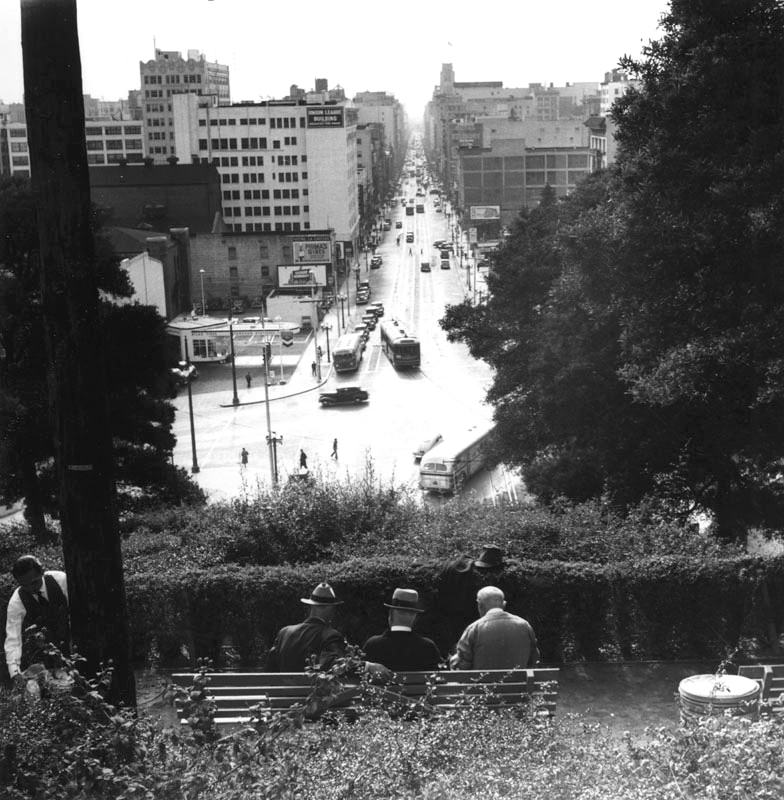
(498, 640)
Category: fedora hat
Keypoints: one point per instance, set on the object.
(405, 600)
(492, 556)
(322, 595)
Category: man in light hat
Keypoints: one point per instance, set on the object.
(295, 644)
(498, 639)
(399, 648)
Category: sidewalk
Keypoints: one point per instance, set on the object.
(301, 379)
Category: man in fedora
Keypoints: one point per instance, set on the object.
(294, 644)
(498, 639)
(399, 647)
(492, 557)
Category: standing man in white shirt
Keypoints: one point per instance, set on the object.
(41, 599)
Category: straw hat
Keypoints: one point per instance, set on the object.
(405, 600)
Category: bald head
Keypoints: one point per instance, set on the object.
(489, 597)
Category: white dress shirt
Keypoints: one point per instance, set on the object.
(15, 619)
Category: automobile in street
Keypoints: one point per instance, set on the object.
(425, 445)
(344, 395)
(399, 223)
(184, 373)
(376, 262)
(424, 266)
(439, 243)
(363, 331)
(370, 321)
(445, 263)
(376, 308)
(362, 297)
(410, 237)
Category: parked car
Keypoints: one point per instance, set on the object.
(362, 329)
(425, 445)
(376, 308)
(424, 266)
(184, 373)
(409, 237)
(376, 262)
(439, 243)
(370, 321)
(445, 263)
(399, 223)
(362, 297)
(344, 395)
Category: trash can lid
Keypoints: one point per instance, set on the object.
(717, 690)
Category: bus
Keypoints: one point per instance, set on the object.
(399, 343)
(451, 463)
(347, 353)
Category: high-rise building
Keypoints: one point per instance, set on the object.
(285, 165)
(167, 75)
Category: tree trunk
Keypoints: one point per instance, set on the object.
(56, 137)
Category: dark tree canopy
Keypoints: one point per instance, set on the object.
(636, 327)
(136, 361)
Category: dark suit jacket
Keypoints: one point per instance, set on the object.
(402, 650)
(294, 644)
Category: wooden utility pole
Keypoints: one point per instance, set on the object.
(54, 108)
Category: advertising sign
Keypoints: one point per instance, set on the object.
(312, 251)
(325, 117)
(485, 212)
(293, 276)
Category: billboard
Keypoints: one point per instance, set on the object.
(312, 251)
(485, 212)
(294, 276)
(325, 117)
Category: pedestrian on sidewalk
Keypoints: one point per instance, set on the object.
(244, 457)
(313, 369)
(303, 459)
(248, 379)
(334, 453)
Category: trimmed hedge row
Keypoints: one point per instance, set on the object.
(664, 608)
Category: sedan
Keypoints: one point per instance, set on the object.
(424, 266)
(376, 262)
(399, 223)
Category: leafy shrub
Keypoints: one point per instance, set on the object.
(72, 747)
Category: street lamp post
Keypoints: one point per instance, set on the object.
(342, 299)
(203, 306)
(189, 378)
(235, 401)
(325, 326)
(280, 351)
(356, 275)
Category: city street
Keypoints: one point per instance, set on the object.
(405, 407)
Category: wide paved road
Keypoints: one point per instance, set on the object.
(405, 407)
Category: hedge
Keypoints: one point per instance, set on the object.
(664, 608)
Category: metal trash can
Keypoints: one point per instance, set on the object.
(703, 695)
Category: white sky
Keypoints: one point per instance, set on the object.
(360, 45)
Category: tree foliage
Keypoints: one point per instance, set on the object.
(636, 327)
(135, 364)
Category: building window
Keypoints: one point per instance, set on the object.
(265, 271)
(232, 254)
(276, 144)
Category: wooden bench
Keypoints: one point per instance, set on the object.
(770, 677)
(235, 693)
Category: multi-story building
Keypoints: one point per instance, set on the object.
(108, 142)
(166, 76)
(285, 165)
(615, 84)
